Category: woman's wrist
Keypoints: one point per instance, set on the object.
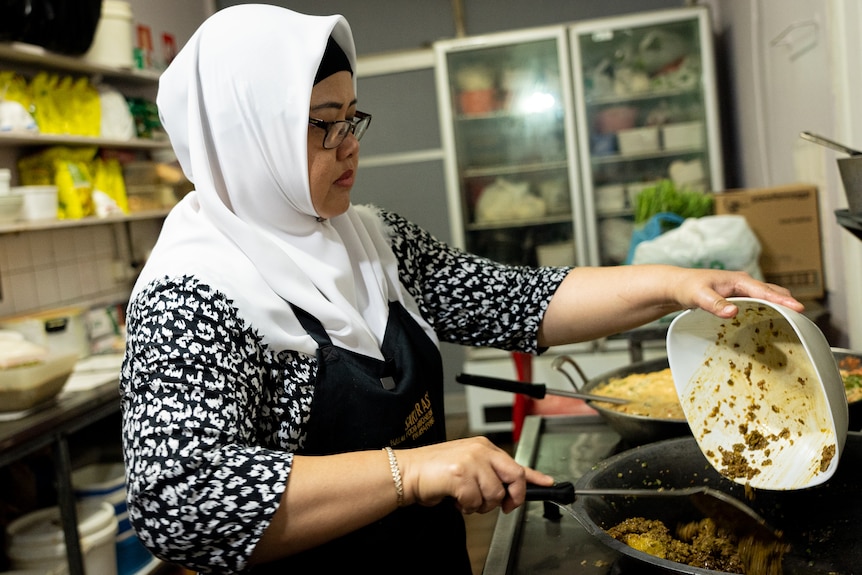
(395, 470)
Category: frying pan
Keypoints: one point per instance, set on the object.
(820, 523)
(636, 429)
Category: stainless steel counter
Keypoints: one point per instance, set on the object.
(526, 542)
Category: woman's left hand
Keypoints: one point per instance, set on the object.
(594, 302)
(708, 290)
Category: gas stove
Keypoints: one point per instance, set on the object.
(534, 539)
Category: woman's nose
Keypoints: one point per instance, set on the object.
(349, 146)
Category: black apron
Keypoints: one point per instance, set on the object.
(365, 403)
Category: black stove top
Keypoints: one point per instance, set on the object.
(526, 541)
(821, 523)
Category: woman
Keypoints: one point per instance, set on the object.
(282, 388)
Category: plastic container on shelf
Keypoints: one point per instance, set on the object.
(61, 330)
(10, 208)
(112, 44)
(36, 540)
(682, 135)
(40, 202)
(26, 386)
(5, 179)
(638, 140)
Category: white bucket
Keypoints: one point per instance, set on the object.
(36, 540)
(104, 482)
(112, 41)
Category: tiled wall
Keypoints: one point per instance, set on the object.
(87, 265)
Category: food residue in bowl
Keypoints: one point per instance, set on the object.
(756, 397)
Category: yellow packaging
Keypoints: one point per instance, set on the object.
(108, 178)
(66, 105)
(75, 189)
(14, 88)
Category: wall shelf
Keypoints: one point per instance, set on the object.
(21, 53)
(37, 225)
(38, 139)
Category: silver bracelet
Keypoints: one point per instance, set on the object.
(396, 475)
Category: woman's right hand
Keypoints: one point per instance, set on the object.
(477, 474)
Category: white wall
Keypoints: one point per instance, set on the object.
(84, 266)
(787, 59)
(846, 21)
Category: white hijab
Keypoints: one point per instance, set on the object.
(235, 104)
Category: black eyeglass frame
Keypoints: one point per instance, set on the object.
(357, 126)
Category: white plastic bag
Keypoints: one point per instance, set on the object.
(117, 122)
(721, 242)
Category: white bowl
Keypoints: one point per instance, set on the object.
(761, 393)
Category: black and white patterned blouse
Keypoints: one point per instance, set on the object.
(211, 417)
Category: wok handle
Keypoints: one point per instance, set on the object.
(563, 493)
(536, 390)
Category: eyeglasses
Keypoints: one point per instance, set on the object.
(336, 131)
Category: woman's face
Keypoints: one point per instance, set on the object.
(331, 173)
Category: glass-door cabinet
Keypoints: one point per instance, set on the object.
(647, 110)
(507, 123)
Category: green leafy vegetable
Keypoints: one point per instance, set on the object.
(666, 197)
(852, 381)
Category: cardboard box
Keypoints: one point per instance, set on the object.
(786, 220)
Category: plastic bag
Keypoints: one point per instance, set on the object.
(109, 187)
(651, 229)
(66, 105)
(720, 242)
(117, 120)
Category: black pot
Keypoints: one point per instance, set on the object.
(821, 523)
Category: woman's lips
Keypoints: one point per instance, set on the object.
(346, 179)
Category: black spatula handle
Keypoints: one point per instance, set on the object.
(563, 493)
(535, 390)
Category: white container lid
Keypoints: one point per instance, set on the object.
(99, 478)
(43, 528)
(37, 541)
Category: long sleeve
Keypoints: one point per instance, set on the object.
(210, 421)
(471, 300)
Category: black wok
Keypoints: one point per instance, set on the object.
(821, 523)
